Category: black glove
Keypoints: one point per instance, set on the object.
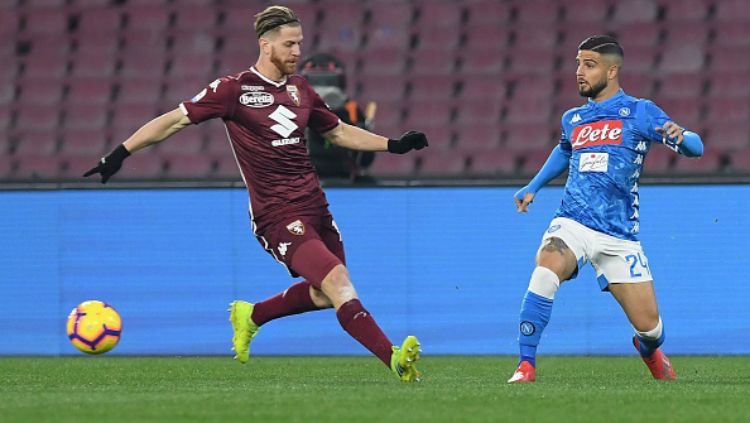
(110, 164)
(407, 142)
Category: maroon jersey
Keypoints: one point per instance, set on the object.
(265, 123)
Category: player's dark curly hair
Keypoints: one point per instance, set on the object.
(272, 18)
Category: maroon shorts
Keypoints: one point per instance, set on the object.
(307, 245)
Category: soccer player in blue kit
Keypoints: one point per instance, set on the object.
(603, 144)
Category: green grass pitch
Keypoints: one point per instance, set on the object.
(360, 389)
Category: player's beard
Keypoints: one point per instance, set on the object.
(284, 67)
(591, 91)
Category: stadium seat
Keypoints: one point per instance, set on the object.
(230, 64)
(525, 38)
(635, 84)
(386, 89)
(493, 162)
(149, 44)
(474, 64)
(629, 11)
(398, 14)
(483, 87)
(226, 168)
(6, 167)
(40, 92)
(188, 166)
(179, 90)
(89, 92)
(127, 118)
(143, 66)
(477, 137)
(731, 34)
(586, 11)
(729, 59)
(37, 118)
(681, 35)
(387, 37)
(528, 110)
(185, 143)
(92, 64)
(47, 67)
(36, 167)
(46, 22)
(5, 116)
(681, 86)
(488, 39)
(709, 163)
(638, 34)
(682, 59)
(193, 66)
(685, 111)
(525, 62)
(84, 143)
(386, 62)
(195, 19)
(343, 38)
(728, 137)
(438, 15)
(34, 5)
(433, 62)
(147, 19)
(390, 165)
(572, 35)
(388, 114)
(732, 11)
(480, 110)
(441, 163)
(531, 162)
(729, 85)
(35, 143)
(445, 39)
(138, 91)
(99, 23)
(724, 111)
(534, 86)
(435, 87)
(538, 14)
(85, 117)
(196, 42)
(427, 112)
(488, 12)
(528, 137)
(9, 24)
(658, 160)
(739, 161)
(145, 164)
(686, 11)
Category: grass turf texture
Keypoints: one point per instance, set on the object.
(359, 389)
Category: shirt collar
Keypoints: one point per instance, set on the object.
(620, 93)
(270, 81)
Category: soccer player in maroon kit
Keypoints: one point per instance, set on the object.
(266, 109)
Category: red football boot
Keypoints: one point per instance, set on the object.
(659, 364)
(524, 373)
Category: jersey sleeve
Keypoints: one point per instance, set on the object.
(650, 117)
(217, 100)
(564, 143)
(322, 119)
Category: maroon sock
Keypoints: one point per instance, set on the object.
(361, 326)
(296, 299)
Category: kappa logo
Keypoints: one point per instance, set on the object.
(576, 118)
(283, 247)
(296, 228)
(256, 99)
(605, 132)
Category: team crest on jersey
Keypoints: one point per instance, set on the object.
(625, 111)
(293, 93)
(256, 99)
(603, 132)
(296, 228)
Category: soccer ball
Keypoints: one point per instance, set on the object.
(94, 327)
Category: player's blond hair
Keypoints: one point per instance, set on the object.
(273, 18)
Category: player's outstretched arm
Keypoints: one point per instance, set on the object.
(153, 132)
(354, 138)
(556, 164)
(685, 142)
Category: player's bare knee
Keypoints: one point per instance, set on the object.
(338, 287)
(319, 298)
(646, 322)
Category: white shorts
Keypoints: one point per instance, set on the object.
(615, 260)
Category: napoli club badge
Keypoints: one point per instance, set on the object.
(293, 93)
(296, 228)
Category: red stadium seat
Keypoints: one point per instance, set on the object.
(143, 66)
(481, 110)
(725, 111)
(145, 164)
(40, 92)
(488, 12)
(195, 19)
(732, 10)
(628, 11)
(530, 62)
(390, 165)
(92, 45)
(47, 67)
(34, 5)
(386, 89)
(179, 90)
(491, 63)
(445, 39)
(185, 143)
(36, 167)
(188, 166)
(532, 161)
(9, 23)
(226, 168)
(682, 59)
(526, 38)
(388, 114)
(693, 35)
(586, 11)
(441, 163)
(436, 87)
(388, 37)
(342, 38)
(90, 117)
(638, 34)
(493, 162)
(487, 39)
(686, 11)
(433, 62)
(685, 111)
(538, 14)
(398, 14)
(709, 163)
(46, 22)
(36, 143)
(658, 160)
(138, 91)
(147, 19)
(729, 59)
(194, 43)
(194, 66)
(94, 65)
(682, 86)
(635, 84)
(37, 118)
(84, 143)
(739, 161)
(440, 15)
(89, 92)
(150, 44)
(729, 85)
(427, 112)
(6, 167)
(731, 34)
(99, 22)
(128, 118)
(528, 137)
(388, 62)
(729, 137)
(528, 110)
(478, 137)
(535, 86)
(483, 87)
(573, 34)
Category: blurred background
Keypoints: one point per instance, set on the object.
(167, 242)
(486, 80)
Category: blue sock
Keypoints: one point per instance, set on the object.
(535, 313)
(648, 346)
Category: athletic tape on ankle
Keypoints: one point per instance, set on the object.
(653, 334)
(544, 282)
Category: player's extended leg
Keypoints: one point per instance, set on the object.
(247, 318)
(638, 300)
(555, 263)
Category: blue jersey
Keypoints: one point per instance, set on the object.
(608, 142)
